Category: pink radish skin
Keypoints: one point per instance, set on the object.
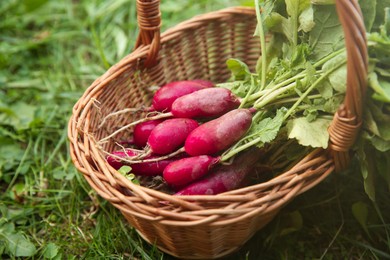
(170, 135)
(142, 132)
(186, 170)
(151, 168)
(209, 102)
(167, 94)
(225, 177)
(218, 134)
(117, 163)
(144, 168)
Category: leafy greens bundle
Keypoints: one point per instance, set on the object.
(300, 81)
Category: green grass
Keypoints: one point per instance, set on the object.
(50, 51)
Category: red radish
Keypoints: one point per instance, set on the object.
(208, 102)
(218, 134)
(225, 178)
(115, 162)
(151, 168)
(169, 135)
(142, 131)
(186, 170)
(167, 94)
(143, 168)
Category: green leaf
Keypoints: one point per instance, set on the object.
(266, 8)
(131, 177)
(19, 245)
(325, 89)
(314, 134)
(381, 88)
(238, 68)
(380, 14)
(267, 129)
(239, 88)
(287, 31)
(382, 72)
(386, 26)
(274, 22)
(124, 170)
(7, 228)
(369, 123)
(15, 215)
(368, 8)
(50, 251)
(380, 144)
(311, 114)
(298, 59)
(384, 129)
(369, 181)
(367, 168)
(295, 7)
(333, 103)
(306, 20)
(381, 118)
(18, 115)
(327, 34)
(10, 151)
(323, 2)
(18, 190)
(338, 78)
(360, 212)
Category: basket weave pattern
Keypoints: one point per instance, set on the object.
(202, 226)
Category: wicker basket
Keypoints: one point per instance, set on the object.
(204, 227)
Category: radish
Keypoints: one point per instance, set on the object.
(225, 177)
(182, 172)
(218, 134)
(117, 160)
(169, 135)
(208, 102)
(142, 132)
(151, 168)
(167, 94)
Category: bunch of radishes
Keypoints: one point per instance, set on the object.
(198, 122)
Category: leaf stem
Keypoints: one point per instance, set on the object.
(264, 100)
(238, 149)
(262, 93)
(262, 43)
(251, 89)
(314, 85)
(300, 75)
(328, 57)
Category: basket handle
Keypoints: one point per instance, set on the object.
(346, 123)
(149, 24)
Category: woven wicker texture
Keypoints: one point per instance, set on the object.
(202, 227)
